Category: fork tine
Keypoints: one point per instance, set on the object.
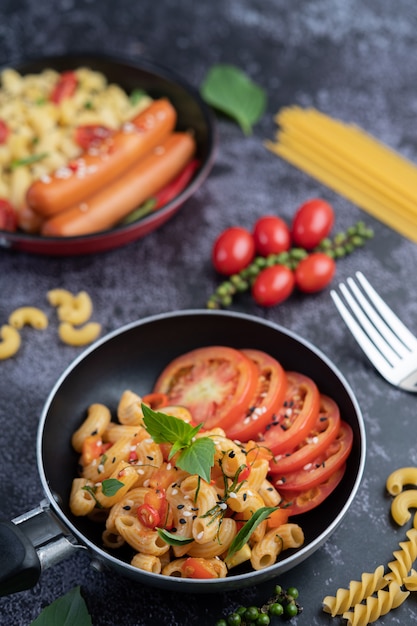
(361, 337)
(380, 324)
(396, 324)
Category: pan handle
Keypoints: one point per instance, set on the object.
(30, 544)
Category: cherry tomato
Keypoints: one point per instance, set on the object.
(297, 416)
(271, 235)
(4, 131)
(314, 272)
(93, 448)
(195, 567)
(155, 400)
(319, 438)
(269, 394)
(233, 250)
(65, 87)
(322, 467)
(215, 383)
(278, 517)
(273, 285)
(312, 222)
(8, 216)
(91, 135)
(298, 502)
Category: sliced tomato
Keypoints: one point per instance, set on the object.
(278, 517)
(291, 424)
(268, 397)
(215, 383)
(93, 448)
(91, 135)
(155, 400)
(195, 567)
(298, 502)
(8, 216)
(319, 438)
(4, 131)
(65, 87)
(322, 467)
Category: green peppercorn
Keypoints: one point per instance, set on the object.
(251, 614)
(234, 619)
(241, 610)
(221, 622)
(291, 609)
(276, 609)
(263, 620)
(293, 592)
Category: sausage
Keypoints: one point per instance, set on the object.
(97, 167)
(111, 204)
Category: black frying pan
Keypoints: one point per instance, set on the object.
(132, 358)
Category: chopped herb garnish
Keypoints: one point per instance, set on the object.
(173, 540)
(195, 456)
(110, 486)
(136, 96)
(33, 158)
(247, 529)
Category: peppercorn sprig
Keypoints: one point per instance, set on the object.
(341, 245)
(283, 603)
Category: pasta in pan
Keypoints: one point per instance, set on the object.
(128, 476)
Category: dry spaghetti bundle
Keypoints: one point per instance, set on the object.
(352, 163)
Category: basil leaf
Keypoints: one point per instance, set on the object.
(167, 428)
(198, 458)
(137, 95)
(110, 486)
(171, 539)
(247, 529)
(66, 611)
(231, 91)
(34, 158)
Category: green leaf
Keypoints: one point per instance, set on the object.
(198, 458)
(137, 95)
(66, 611)
(247, 529)
(167, 428)
(110, 486)
(230, 90)
(171, 539)
(33, 158)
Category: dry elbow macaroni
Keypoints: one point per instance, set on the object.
(74, 312)
(41, 133)
(377, 592)
(201, 512)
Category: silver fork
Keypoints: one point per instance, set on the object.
(388, 344)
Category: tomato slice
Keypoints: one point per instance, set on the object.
(8, 216)
(91, 135)
(322, 467)
(298, 502)
(297, 416)
(4, 131)
(65, 87)
(268, 397)
(194, 567)
(325, 430)
(215, 383)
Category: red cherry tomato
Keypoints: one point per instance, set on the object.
(195, 567)
(317, 441)
(65, 87)
(4, 131)
(312, 222)
(273, 285)
(291, 423)
(269, 394)
(233, 250)
(148, 516)
(298, 502)
(215, 383)
(8, 216)
(91, 135)
(271, 235)
(320, 468)
(315, 272)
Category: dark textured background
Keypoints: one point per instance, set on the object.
(354, 60)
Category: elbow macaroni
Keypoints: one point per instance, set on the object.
(203, 514)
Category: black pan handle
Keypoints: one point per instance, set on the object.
(20, 567)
